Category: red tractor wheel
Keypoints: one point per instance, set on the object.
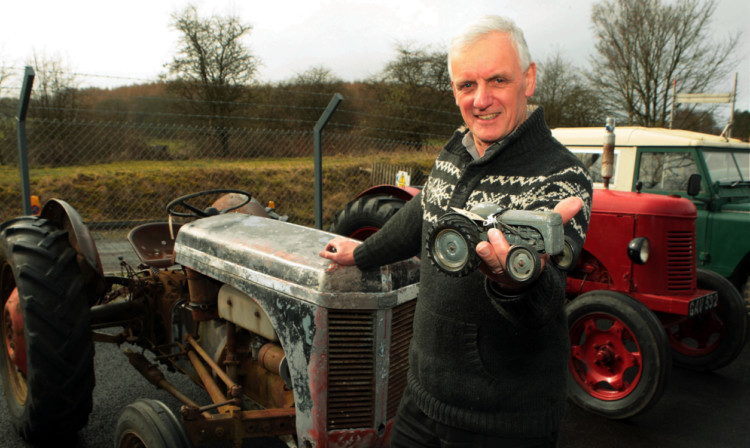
(715, 338)
(620, 360)
(365, 215)
(47, 360)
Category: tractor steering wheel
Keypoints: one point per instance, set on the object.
(195, 212)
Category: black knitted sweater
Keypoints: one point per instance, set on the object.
(480, 359)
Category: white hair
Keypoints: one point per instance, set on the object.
(486, 25)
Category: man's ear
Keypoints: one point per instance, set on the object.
(530, 78)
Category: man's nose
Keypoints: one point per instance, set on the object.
(482, 99)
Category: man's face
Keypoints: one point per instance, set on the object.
(490, 88)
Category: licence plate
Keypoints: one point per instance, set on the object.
(702, 304)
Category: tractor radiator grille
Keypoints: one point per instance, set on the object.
(401, 331)
(680, 261)
(351, 367)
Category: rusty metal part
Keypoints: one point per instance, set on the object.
(608, 152)
(155, 376)
(14, 339)
(217, 396)
(265, 387)
(173, 292)
(235, 390)
(230, 360)
(238, 426)
(109, 338)
(203, 296)
(111, 314)
(271, 356)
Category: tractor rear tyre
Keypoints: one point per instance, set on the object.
(149, 423)
(365, 215)
(47, 351)
(715, 338)
(620, 360)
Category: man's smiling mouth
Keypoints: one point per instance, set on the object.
(487, 116)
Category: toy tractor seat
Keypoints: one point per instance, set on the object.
(154, 243)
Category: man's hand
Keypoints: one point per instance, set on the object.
(340, 250)
(494, 252)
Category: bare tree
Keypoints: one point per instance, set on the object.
(212, 67)
(4, 73)
(55, 91)
(305, 96)
(568, 99)
(415, 94)
(643, 45)
(315, 76)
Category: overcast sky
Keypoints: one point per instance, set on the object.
(126, 42)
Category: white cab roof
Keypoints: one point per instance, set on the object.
(642, 136)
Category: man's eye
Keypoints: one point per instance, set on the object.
(466, 85)
(499, 80)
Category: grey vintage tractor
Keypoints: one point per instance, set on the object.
(285, 343)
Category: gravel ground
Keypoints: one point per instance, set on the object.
(698, 410)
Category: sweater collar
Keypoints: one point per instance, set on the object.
(529, 133)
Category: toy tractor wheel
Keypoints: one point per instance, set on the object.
(746, 293)
(715, 338)
(451, 245)
(149, 423)
(362, 217)
(47, 351)
(620, 359)
(523, 264)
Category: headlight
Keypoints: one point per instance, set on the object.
(639, 250)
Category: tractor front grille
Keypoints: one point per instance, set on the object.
(351, 368)
(352, 342)
(401, 332)
(680, 261)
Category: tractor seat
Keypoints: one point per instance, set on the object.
(153, 243)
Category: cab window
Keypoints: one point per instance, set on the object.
(592, 160)
(666, 171)
(728, 167)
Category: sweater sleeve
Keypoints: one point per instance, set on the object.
(399, 239)
(535, 305)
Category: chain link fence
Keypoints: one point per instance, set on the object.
(120, 173)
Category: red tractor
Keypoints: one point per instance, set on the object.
(636, 302)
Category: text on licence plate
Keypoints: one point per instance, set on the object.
(703, 304)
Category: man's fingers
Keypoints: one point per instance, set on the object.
(568, 207)
(493, 252)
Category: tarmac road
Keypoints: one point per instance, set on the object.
(698, 410)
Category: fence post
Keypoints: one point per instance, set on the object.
(23, 157)
(317, 131)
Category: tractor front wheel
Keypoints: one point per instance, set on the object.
(620, 359)
(47, 351)
(149, 423)
(715, 338)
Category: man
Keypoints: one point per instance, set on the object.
(488, 360)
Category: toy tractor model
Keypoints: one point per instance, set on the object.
(636, 301)
(451, 244)
(285, 343)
